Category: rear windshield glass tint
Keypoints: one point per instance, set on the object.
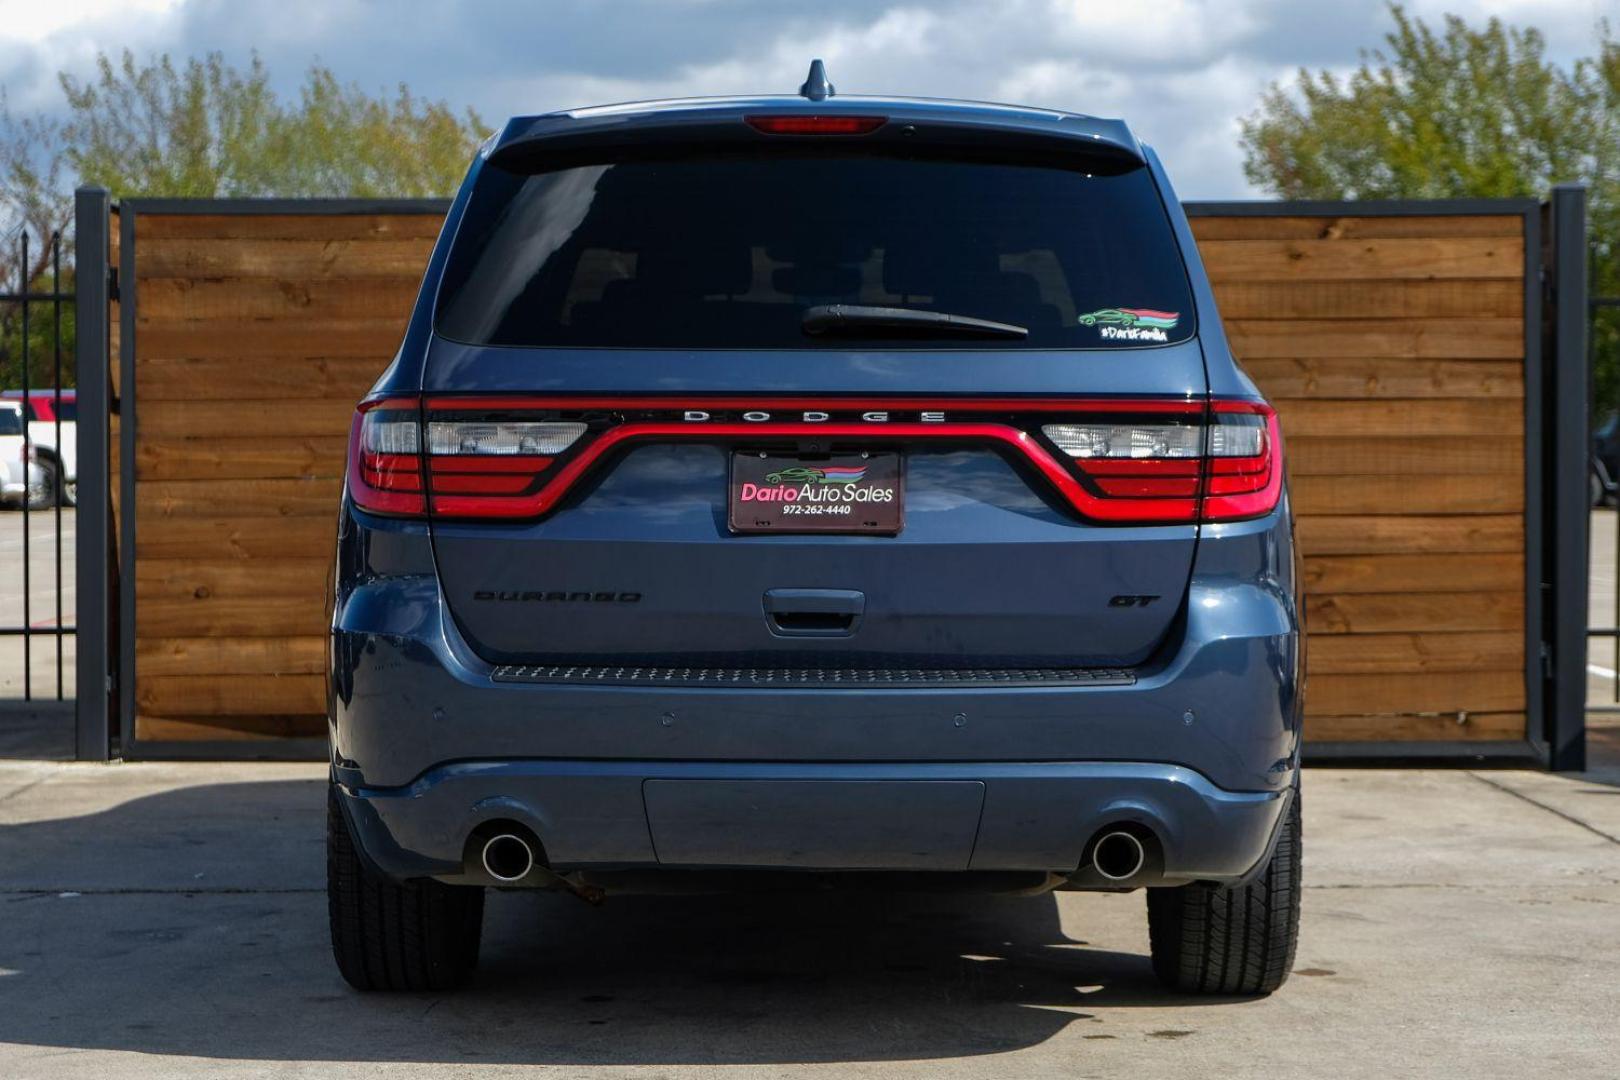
(729, 252)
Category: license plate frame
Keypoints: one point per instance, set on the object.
(861, 493)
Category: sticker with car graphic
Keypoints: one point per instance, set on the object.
(1131, 324)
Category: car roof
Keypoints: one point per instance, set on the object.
(974, 120)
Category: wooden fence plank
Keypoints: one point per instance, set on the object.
(1427, 494)
(241, 419)
(315, 497)
(1385, 377)
(1381, 613)
(1440, 339)
(297, 259)
(235, 379)
(1290, 300)
(239, 227)
(1373, 654)
(1403, 573)
(194, 299)
(205, 579)
(248, 616)
(1401, 419)
(281, 341)
(231, 656)
(1493, 726)
(237, 537)
(230, 695)
(1391, 692)
(268, 458)
(1418, 259)
(1355, 227)
(243, 728)
(1390, 534)
(1314, 455)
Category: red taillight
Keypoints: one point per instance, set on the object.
(468, 464)
(1246, 472)
(385, 461)
(816, 125)
(1159, 468)
(483, 465)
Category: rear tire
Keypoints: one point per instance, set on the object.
(389, 935)
(1231, 939)
(44, 495)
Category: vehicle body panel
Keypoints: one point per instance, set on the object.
(52, 426)
(14, 463)
(1198, 743)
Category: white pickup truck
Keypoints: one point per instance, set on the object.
(20, 478)
(55, 472)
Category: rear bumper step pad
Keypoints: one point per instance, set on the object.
(812, 678)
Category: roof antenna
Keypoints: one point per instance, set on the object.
(816, 87)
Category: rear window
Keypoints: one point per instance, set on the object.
(729, 252)
(11, 422)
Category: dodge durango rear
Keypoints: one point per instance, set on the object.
(838, 488)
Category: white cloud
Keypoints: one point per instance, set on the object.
(30, 21)
(1181, 71)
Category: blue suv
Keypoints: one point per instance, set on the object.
(816, 485)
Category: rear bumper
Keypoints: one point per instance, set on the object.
(1200, 746)
(409, 696)
(962, 817)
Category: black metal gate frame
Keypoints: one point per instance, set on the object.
(1565, 494)
(1555, 479)
(26, 297)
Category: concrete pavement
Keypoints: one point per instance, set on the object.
(169, 920)
(41, 613)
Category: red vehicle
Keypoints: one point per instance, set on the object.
(42, 404)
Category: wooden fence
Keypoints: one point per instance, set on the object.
(1393, 342)
(1394, 348)
(253, 336)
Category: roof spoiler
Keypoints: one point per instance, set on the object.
(920, 122)
(529, 142)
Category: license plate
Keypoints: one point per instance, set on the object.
(841, 493)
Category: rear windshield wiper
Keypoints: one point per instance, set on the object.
(861, 321)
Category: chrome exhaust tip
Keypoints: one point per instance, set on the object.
(507, 857)
(1118, 855)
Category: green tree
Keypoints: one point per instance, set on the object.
(207, 129)
(204, 128)
(1454, 112)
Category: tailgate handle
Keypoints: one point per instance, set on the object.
(814, 612)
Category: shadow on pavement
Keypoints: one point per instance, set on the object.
(194, 923)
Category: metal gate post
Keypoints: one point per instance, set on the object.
(1567, 548)
(92, 218)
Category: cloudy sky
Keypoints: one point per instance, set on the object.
(1182, 71)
